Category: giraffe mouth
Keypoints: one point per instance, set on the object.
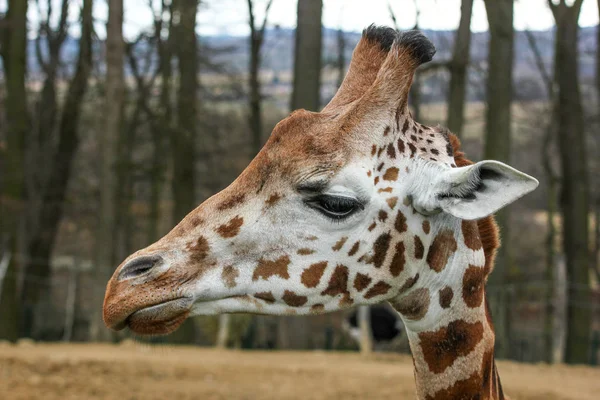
(158, 319)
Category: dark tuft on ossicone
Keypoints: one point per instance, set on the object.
(383, 35)
(420, 47)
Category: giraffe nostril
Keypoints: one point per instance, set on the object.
(139, 266)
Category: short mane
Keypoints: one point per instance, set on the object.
(488, 228)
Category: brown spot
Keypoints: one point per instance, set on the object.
(391, 174)
(312, 238)
(338, 283)
(266, 296)
(372, 226)
(380, 151)
(232, 228)
(231, 202)
(419, 249)
(392, 201)
(410, 282)
(268, 268)
(446, 295)
(317, 308)
(401, 147)
(405, 126)
(382, 215)
(441, 348)
(345, 301)
(386, 130)
(378, 289)
(380, 167)
(412, 149)
(380, 248)
(339, 244)
(293, 300)
(305, 251)
(369, 173)
(443, 246)
(391, 151)
(229, 274)
(354, 248)
(473, 286)
(373, 150)
(376, 180)
(414, 305)
(385, 190)
(470, 232)
(361, 281)
(465, 389)
(426, 227)
(311, 276)
(397, 264)
(400, 223)
(435, 151)
(273, 199)
(199, 250)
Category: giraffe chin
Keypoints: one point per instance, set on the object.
(159, 319)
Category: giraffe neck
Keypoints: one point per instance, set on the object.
(456, 360)
(453, 344)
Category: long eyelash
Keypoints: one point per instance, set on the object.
(330, 201)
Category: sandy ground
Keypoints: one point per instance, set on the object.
(136, 371)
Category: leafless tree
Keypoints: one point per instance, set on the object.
(183, 138)
(458, 70)
(53, 198)
(497, 146)
(307, 56)
(257, 37)
(574, 197)
(105, 256)
(13, 42)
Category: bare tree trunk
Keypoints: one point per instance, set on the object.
(183, 138)
(364, 323)
(307, 56)
(553, 331)
(497, 147)
(575, 188)
(42, 243)
(105, 256)
(559, 323)
(257, 36)
(4, 263)
(458, 70)
(70, 303)
(164, 125)
(223, 332)
(13, 42)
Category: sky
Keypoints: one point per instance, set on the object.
(230, 16)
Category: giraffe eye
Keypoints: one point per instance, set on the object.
(335, 207)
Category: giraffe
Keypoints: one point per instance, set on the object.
(354, 205)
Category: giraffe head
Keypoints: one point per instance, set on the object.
(336, 210)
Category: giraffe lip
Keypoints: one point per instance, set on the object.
(158, 319)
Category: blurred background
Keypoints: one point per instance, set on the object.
(117, 117)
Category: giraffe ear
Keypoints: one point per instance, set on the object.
(477, 190)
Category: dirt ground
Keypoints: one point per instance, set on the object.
(136, 371)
